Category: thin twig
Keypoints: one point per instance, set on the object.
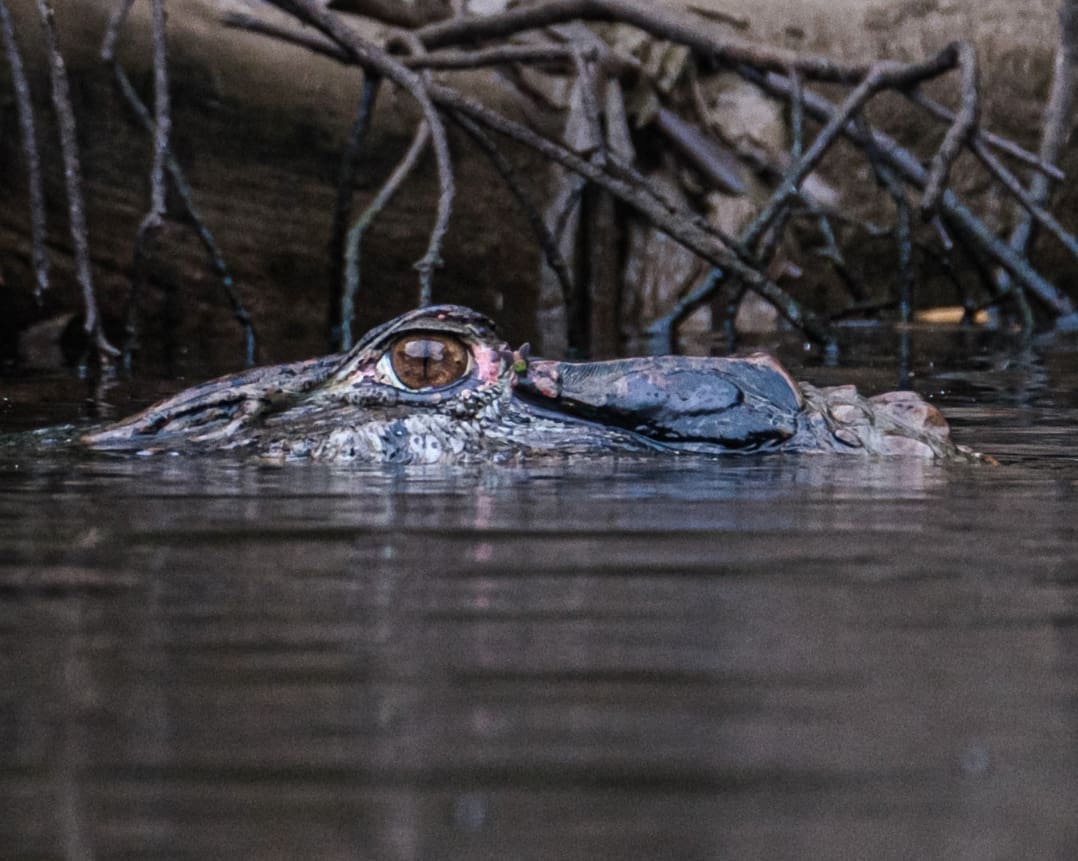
(797, 117)
(65, 118)
(373, 58)
(355, 233)
(447, 60)
(342, 212)
(660, 24)
(881, 75)
(25, 109)
(986, 137)
(911, 170)
(198, 223)
(112, 30)
(903, 235)
(408, 15)
(179, 182)
(496, 56)
(154, 219)
(701, 151)
(958, 135)
(313, 43)
(1057, 120)
(546, 239)
(432, 259)
(1036, 212)
(682, 227)
(661, 330)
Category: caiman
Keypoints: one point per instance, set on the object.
(437, 385)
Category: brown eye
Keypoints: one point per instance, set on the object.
(428, 361)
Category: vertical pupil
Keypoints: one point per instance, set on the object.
(424, 349)
(432, 361)
(426, 353)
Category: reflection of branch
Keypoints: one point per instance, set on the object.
(69, 152)
(25, 109)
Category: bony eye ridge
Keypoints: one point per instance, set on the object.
(428, 361)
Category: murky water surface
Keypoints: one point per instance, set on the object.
(770, 657)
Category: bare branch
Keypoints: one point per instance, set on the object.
(1057, 121)
(25, 109)
(373, 58)
(659, 24)
(910, 169)
(65, 117)
(684, 228)
(505, 169)
(958, 134)
(154, 218)
(342, 212)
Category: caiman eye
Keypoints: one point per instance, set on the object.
(428, 361)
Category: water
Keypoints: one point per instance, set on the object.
(803, 657)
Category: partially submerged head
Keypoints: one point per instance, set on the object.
(439, 367)
(438, 385)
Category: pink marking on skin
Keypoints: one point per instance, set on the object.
(367, 372)
(488, 365)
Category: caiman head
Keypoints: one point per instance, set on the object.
(438, 385)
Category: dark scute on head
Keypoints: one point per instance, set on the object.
(733, 404)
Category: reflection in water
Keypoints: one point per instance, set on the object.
(632, 658)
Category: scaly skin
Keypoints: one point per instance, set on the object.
(355, 407)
